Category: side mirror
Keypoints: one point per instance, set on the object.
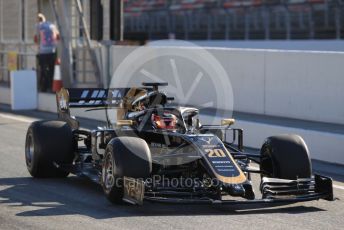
(124, 123)
(198, 124)
(228, 121)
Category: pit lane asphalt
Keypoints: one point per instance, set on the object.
(75, 203)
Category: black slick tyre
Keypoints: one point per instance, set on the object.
(286, 157)
(48, 143)
(124, 156)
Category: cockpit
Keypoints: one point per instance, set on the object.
(149, 110)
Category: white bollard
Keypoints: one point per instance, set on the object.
(23, 90)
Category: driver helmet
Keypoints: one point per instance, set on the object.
(167, 121)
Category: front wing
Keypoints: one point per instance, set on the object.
(273, 191)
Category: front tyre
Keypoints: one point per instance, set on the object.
(285, 157)
(124, 156)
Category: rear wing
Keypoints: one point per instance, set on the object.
(94, 98)
(90, 98)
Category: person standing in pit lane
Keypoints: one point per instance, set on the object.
(46, 37)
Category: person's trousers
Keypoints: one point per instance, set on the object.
(45, 71)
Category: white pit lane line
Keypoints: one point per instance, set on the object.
(338, 187)
(17, 118)
(29, 120)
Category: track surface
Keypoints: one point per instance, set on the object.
(74, 203)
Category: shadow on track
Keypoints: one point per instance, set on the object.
(51, 197)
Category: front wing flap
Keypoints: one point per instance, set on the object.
(277, 188)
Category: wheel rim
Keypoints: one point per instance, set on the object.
(29, 151)
(108, 178)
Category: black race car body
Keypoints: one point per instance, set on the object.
(158, 152)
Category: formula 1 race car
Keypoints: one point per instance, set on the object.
(158, 152)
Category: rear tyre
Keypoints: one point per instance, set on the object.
(124, 156)
(48, 142)
(285, 157)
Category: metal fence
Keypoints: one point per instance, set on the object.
(308, 20)
(24, 55)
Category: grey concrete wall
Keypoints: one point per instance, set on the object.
(310, 45)
(295, 84)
